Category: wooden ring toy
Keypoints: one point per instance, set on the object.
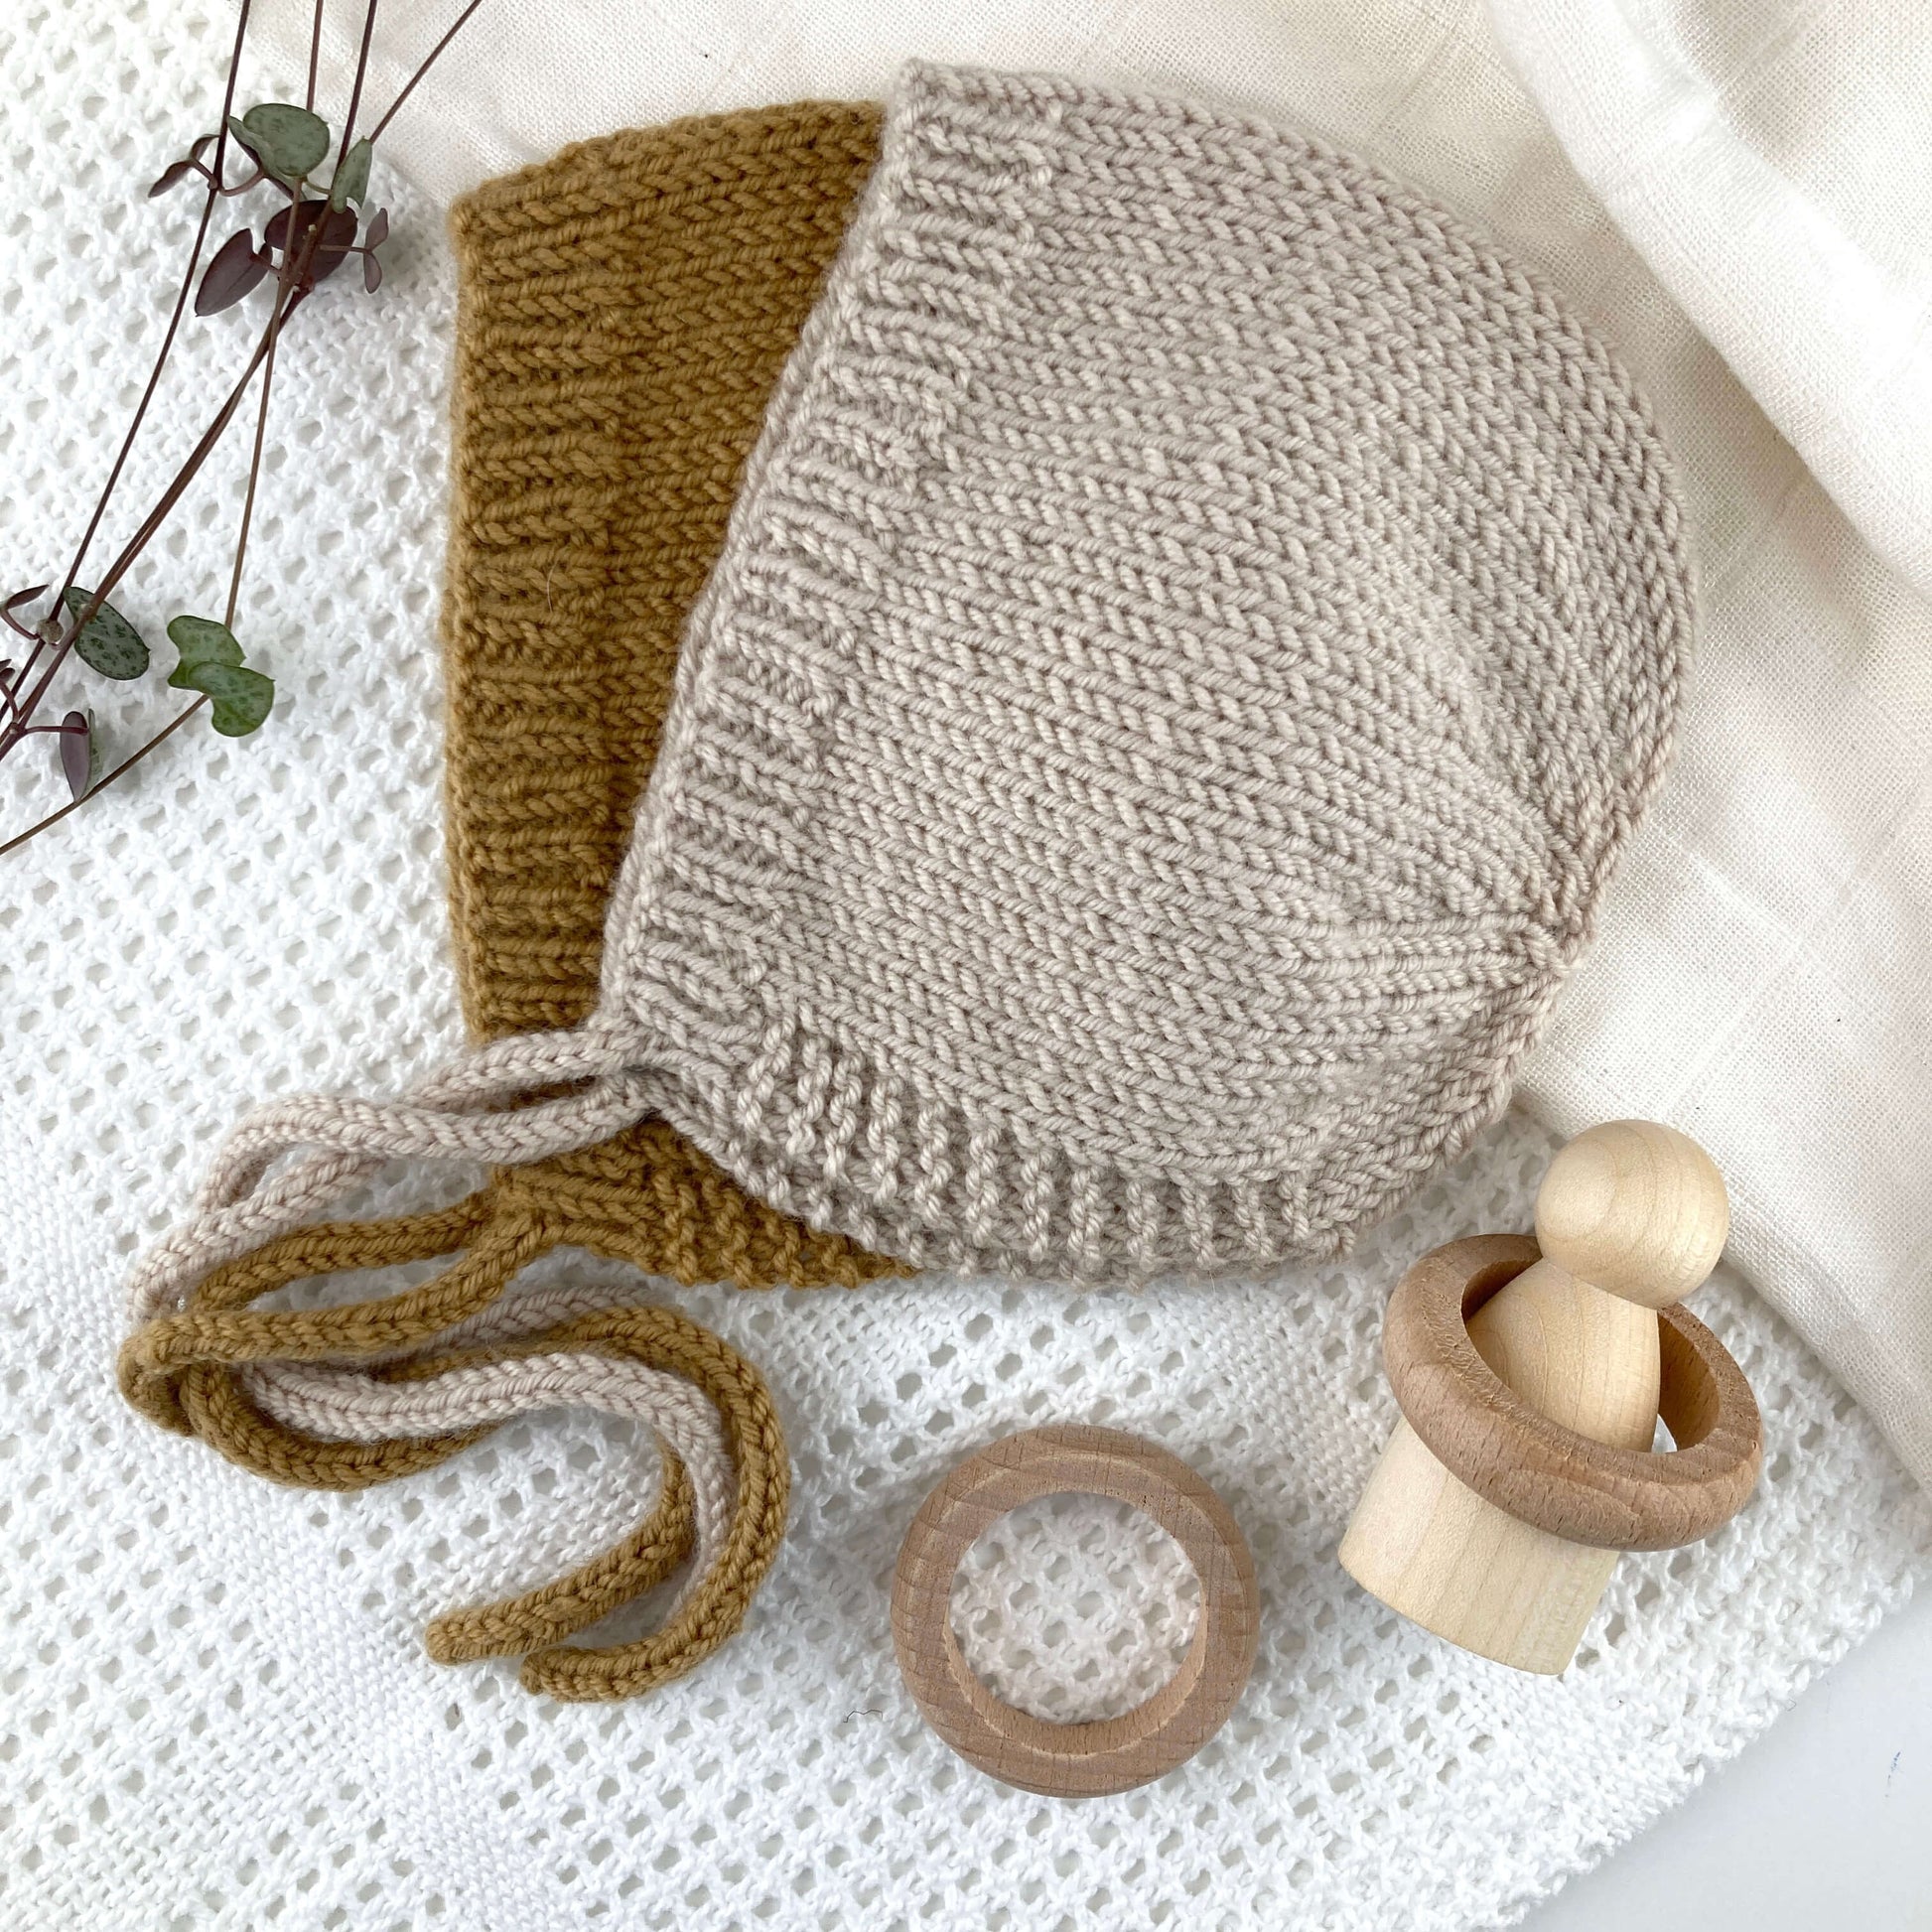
(1076, 1760)
(1544, 1474)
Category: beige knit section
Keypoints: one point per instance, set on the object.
(1196, 631)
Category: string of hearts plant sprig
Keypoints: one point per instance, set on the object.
(283, 148)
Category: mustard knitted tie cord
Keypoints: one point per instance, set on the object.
(624, 311)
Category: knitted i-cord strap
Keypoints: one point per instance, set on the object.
(726, 1472)
(1195, 634)
(624, 311)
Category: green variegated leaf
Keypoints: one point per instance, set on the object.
(201, 640)
(287, 140)
(352, 180)
(211, 661)
(107, 640)
(243, 697)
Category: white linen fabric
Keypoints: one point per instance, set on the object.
(1768, 976)
(1771, 161)
(213, 1706)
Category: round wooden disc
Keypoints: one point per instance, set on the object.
(1493, 1441)
(1079, 1760)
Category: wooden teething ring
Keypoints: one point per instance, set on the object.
(1545, 1475)
(1079, 1760)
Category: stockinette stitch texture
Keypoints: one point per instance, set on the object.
(624, 311)
(1195, 632)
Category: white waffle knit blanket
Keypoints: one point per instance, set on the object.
(213, 1707)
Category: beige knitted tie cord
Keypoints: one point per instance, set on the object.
(1194, 635)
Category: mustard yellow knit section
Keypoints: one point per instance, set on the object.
(625, 310)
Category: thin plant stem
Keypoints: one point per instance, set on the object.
(126, 764)
(315, 58)
(430, 59)
(292, 271)
(288, 285)
(255, 459)
(284, 279)
(169, 498)
(291, 289)
(355, 91)
(289, 278)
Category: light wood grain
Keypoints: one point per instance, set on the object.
(1080, 1760)
(1530, 1390)
(1636, 1208)
(1432, 1549)
(1558, 1478)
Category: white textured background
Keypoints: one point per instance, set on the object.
(213, 1709)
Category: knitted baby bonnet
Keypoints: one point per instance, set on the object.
(1193, 635)
(626, 311)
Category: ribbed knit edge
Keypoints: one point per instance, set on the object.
(559, 651)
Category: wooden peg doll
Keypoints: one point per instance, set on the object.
(1631, 1217)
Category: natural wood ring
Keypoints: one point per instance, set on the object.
(1491, 1440)
(1081, 1760)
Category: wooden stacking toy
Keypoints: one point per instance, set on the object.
(1531, 1375)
